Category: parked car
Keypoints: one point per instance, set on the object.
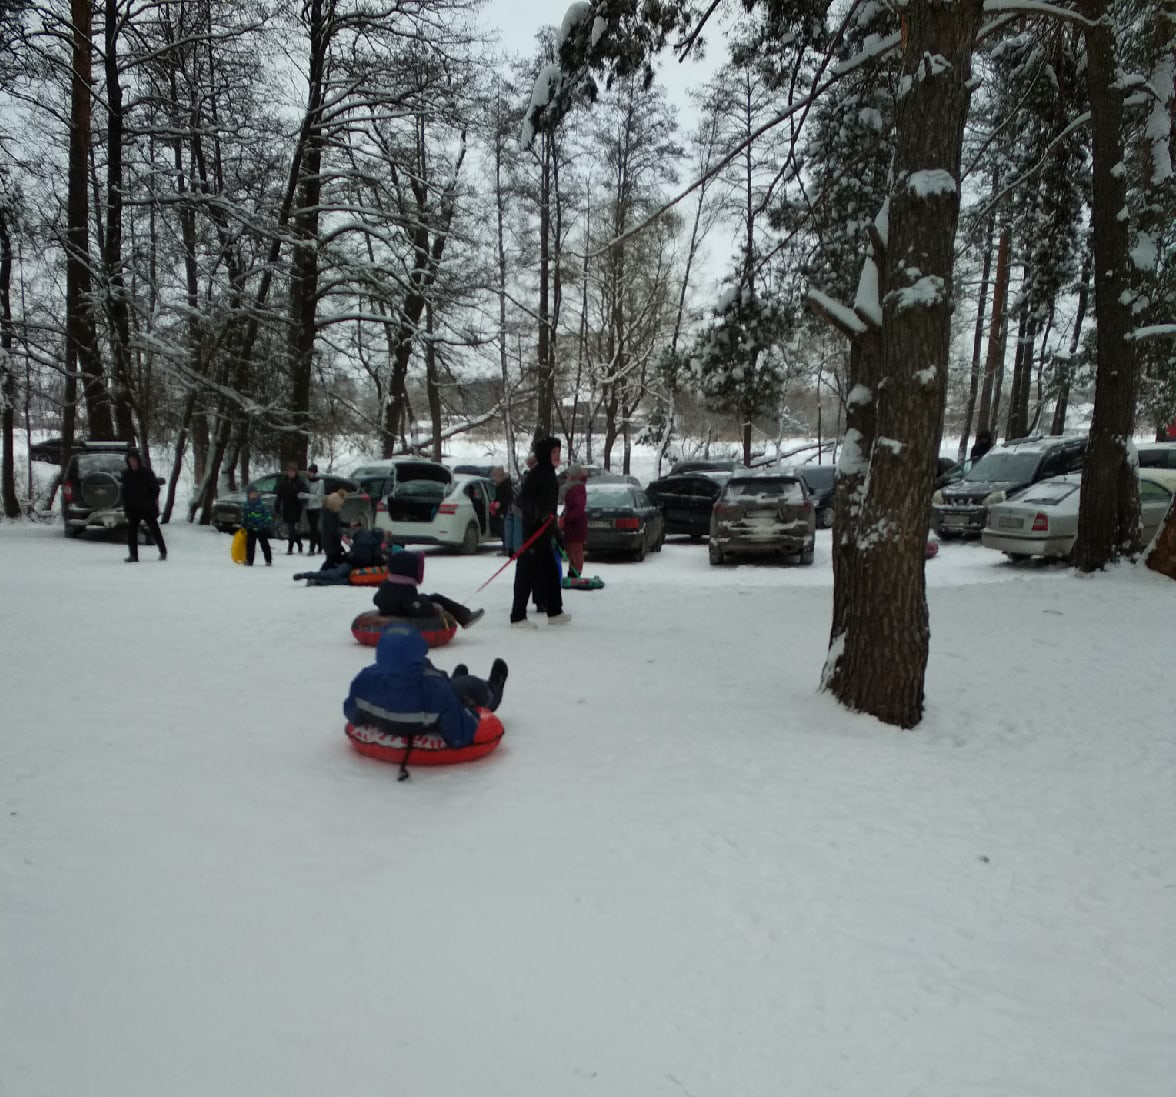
(1042, 519)
(48, 450)
(454, 513)
(356, 512)
(622, 519)
(821, 480)
(960, 508)
(725, 465)
(763, 514)
(381, 478)
(686, 500)
(1157, 455)
(473, 470)
(91, 489)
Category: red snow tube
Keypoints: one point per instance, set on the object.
(437, 631)
(368, 577)
(428, 749)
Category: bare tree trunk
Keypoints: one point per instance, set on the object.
(116, 293)
(82, 361)
(1108, 518)
(1066, 373)
(978, 337)
(878, 657)
(997, 338)
(7, 376)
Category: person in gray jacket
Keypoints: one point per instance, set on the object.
(313, 497)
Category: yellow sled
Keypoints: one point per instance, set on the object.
(237, 547)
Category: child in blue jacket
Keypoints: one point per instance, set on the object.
(257, 522)
(404, 694)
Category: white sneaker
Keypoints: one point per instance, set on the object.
(560, 619)
(524, 624)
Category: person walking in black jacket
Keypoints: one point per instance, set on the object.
(140, 494)
(288, 503)
(536, 569)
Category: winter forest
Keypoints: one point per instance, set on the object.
(249, 231)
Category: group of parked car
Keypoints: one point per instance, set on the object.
(1021, 498)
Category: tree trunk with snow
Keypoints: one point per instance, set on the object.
(878, 649)
(1108, 518)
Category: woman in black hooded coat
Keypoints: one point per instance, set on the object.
(536, 569)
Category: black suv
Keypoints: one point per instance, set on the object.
(960, 508)
(91, 490)
(687, 499)
(821, 480)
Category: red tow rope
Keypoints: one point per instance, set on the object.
(526, 545)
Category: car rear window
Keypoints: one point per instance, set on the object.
(421, 489)
(788, 488)
(1005, 467)
(609, 495)
(1157, 457)
(819, 477)
(101, 462)
(1047, 492)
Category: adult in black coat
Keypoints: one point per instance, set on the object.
(331, 530)
(140, 495)
(288, 503)
(536, 569)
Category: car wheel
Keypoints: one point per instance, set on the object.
(825, 518)
(716, 555)
(469, 541)
(806, 556)
(1017, 557)
(661, 540)
(73, 532)
(642, 549)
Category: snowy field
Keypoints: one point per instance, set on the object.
(685, 873)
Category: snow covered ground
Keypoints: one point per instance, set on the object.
(685, 872)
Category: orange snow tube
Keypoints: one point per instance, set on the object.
(437, 631)
(368, 577)
(428, 749)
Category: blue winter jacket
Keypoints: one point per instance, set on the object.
(404, 694)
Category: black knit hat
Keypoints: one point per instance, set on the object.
(410, 565)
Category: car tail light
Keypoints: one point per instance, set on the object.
(1040, 523)
(67, 491)
(726, 510)
(381, 507)
(806, 506)
(447, 508)
(627, 523)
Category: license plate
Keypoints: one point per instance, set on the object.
(600, 525)
(1009, 523)
(955, 519)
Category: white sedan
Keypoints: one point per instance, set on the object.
(1042, 519)
(427, 512)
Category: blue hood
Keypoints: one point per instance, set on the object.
(402, 651)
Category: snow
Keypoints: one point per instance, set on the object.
(686, 870)
(573, 17)
(1145, 254)
(931, 182)
(847, 318)
(926, 292)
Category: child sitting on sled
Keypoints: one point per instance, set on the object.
(402, 693)
(397, 595)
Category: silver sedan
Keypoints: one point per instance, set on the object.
(1042, 519)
